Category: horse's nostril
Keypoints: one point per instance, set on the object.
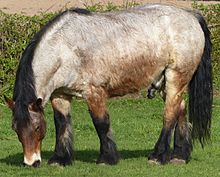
(36, 163)
(24, 164)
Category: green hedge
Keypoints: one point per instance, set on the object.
(17, 30)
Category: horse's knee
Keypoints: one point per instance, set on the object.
(96, 100)
(183, 128)
(182, 121)
(61, 104)
(174, 106)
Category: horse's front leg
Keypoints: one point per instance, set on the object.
(174, 89)
(96, 99)
(63, 152)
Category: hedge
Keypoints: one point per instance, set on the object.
(17, 30)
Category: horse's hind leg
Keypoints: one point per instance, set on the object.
(175, 85)
(182, 138)
(96, 99)
(63, 153)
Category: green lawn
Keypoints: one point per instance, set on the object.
(136, 124)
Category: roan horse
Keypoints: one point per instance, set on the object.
(102, 55)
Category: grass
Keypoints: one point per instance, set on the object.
(136, 123)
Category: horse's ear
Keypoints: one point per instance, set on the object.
(36, 106)
(39, 102)
(10, 103)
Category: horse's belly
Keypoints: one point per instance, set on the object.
(131, 78)
(126, 87)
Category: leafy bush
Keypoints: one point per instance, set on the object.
(17, 30)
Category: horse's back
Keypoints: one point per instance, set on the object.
(122, 51)
(131, 31)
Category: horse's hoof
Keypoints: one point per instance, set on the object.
(55, 164)
(59, 161)
(61, 164)
(111, 158)
(154, 162)
(108, 160)
(103, 162)
(177, 161)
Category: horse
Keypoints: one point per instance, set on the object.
(98, 56)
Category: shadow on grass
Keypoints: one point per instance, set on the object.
(88, 156)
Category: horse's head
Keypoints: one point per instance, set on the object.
(29, 124)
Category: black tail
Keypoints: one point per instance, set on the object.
(201, 91)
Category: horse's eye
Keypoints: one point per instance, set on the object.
(37, 128)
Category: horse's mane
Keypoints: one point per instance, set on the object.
(24, 88)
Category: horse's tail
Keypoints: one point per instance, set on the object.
(201, 91)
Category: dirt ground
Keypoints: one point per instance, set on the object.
(34, 7)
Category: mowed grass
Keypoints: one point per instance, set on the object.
(136, 124)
